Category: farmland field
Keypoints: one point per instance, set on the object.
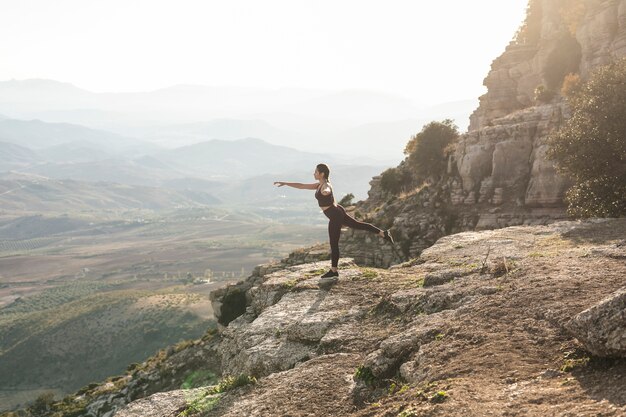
(80, 299)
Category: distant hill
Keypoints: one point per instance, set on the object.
(355, 122)
(13, 156)
(121, 171)
(261, 189)
(240, 158)
(43, 93)
(224, 129)
(30, 193)
(76, 151)
(37, 135)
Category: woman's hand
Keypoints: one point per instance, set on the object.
(279, 183)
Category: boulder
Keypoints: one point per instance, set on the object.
(602, 328)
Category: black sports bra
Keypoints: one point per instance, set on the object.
(324, 200)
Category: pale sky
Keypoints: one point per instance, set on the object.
(430, 51)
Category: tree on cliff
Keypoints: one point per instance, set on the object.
(529, 32)
(590, 147)
(425, 151)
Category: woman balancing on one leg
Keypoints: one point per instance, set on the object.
(335, 213)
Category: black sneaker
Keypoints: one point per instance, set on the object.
(326, 282)
(330, 274)
(388, 237)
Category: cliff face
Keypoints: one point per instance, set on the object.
(502, 156)
(498, 174)
(584, 33)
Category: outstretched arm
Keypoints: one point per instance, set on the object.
(298, 185)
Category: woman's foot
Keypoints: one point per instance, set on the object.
(328, 279)
(330, 274)
(387, 236)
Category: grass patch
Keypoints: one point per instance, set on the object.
(435, 391)
(365, 374)
(231, 382)
(409, 412)
(199, 403)
(368, 273)
(290, 283)
(501, 266)
(199, 378)
(395, 388)
(439, 397)
(571, 364)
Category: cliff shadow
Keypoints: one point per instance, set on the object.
(604, 379)
(599, 231)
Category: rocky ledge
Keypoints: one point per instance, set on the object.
(483, 323)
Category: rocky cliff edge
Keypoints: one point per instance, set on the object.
(500, 322)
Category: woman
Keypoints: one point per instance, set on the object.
(335, 213)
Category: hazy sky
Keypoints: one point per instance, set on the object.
(431, 51)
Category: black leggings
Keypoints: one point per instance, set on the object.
(338, 217)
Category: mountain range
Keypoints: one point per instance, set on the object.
(240, 171)
(359, 123)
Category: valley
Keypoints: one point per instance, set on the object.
(82, 296)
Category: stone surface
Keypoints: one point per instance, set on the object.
(602, 328)
(474, 337)
(161, 404)
(290, 315)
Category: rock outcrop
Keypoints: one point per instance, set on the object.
(474, 326)
(480, 338)
(498, 174)
(602, 328)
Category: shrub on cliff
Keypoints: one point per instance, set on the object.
(529, 32)
(590, 147)
(346, 200)
(425, 151)
(394, 180)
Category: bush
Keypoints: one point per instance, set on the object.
(426, 149)
(590, 147)
(571, 85)
(231, 382)
(346, 200)
(43, 404)
(199, 378)
(394, 180)
(543, 95)
(365, 374)
(529, 32)
(604, 196)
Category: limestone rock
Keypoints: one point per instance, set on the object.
(602, 328)
(442, 277)
(283, 334)
(397, 349)
(162, 404)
